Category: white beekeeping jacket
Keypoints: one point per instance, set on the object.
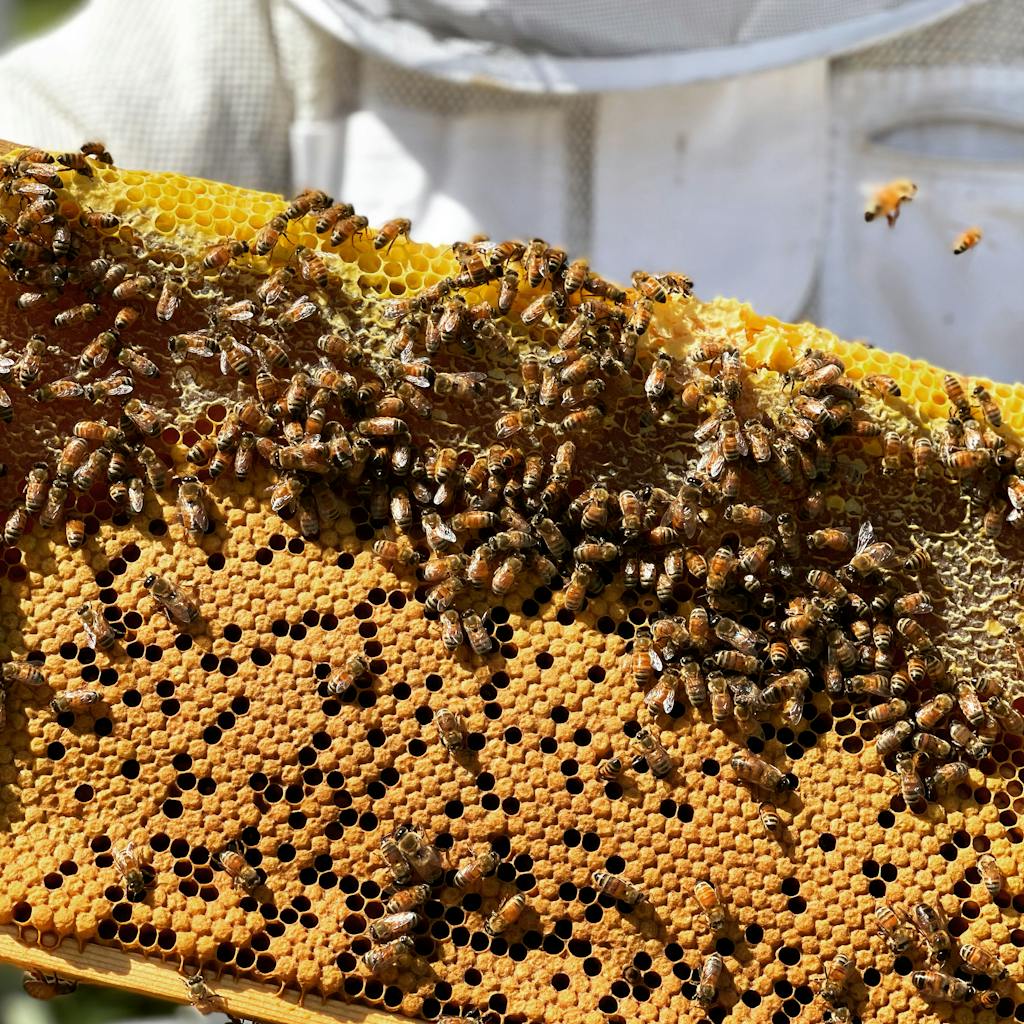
(729, 139)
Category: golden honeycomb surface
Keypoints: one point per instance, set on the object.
(224, 731)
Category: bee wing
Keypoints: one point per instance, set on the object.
(659, 665)
(865, 535)
(124, 387)
(419, 382)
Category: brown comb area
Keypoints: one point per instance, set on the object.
(227, 731)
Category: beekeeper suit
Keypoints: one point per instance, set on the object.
(729, 139)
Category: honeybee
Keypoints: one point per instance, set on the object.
(451, 630)
(946, 777)
(476, 870)
(390, 927)
(935, 985)
(991, 410)
(769, 816)
(46, 986)
(928, 924)
(983, 961)
(301, 309)
(967, 239)
(396, 552)
(911, 786)
(618, 888)
(506, 576)
(408, 899)
(576, 590)
(748, 767)
(25, 672)
(127, 861)
(423, 856)
(379, 958)
(710, 905)
(200, 996)
(954, 390)
(888, 199)
(991, 875)
(354, 669)
(192, 506)
(394, 859)
(390, 231)
(506, 915)
(650, 749)
(449, 730)
(609, 769)
(174, 600)
(99, 633)
(74, 701)
(242, 874)
(892, 928)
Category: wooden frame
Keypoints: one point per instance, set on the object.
(104, 965)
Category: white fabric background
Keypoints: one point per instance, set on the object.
(751, 184)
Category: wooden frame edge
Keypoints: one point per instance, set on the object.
(113, 968)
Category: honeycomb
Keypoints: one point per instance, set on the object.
(247, 729)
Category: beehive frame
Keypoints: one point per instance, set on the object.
(530, 738)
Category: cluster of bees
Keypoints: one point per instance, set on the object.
(484, 480)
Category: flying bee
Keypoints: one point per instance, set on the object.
(942, 987)
(99, 633)
(991, 875)
(474, 872)
(394, 859)
(379, 958)
(449, 731)
(650, 748)
(46, 986)
(74, 701)
(887, 200)
(176, 603)
(967, 239)
(618, 888)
